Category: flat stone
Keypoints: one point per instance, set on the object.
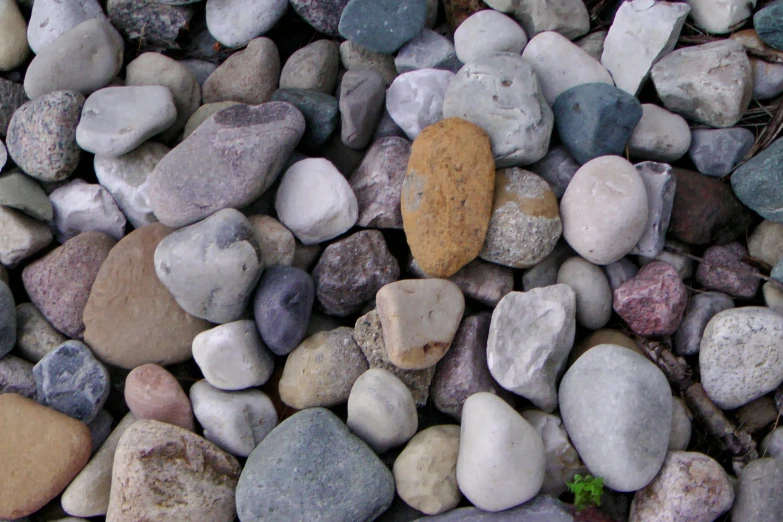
(660, 184)
(282, 307)
(556, 168)
(321, 113)
(362, 96)
(322, 15)
(756, 495)
(23, 193)
(151, 392)
(766, 22)
(13, 42)
(249, 76)
(154, 24)
(313, 67)
(275, 241)
(485, 282)
(702, 307)
(382, 26)
(415, 99)
(660, 135)
(21, 236)
(50, 19)
(35, 335)
(429, 50)
(84, 207)
(12, 96)
(716, 151)
(723, 270)
(234, 23)
(16, 376)
(567, 17)
(354, 56)
(754, 182)
(488, 32)
(593, 293)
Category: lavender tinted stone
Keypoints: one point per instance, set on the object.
(557, 168)
(362, 96)
(701, 308)
(723, 270)
(716, 151)
(660, 184)
(282, 307)
(7, 319)
(16, 376)
(155, 24)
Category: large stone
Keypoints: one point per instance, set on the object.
(282, 307)
(702, 307)
(155, 25)
(382, 26)
(757, 496)
(249, 76)
(487, 32)
(20, 236)
(415, 99)
(151, 392)
(756, 182)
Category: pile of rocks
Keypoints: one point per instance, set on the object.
(387, 259)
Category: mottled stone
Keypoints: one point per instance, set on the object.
(354, 56)
(701, 308)
(766, 21)
(312, 67)
(321, 113)
(485, 282)
(154, 24)
(21, 236)
(282, 307)
(35, 335)
(723, 270)
(652, 302)
(8, 320)
(247, 76)
(322, 15)
(275, 241)
(382, 26)
(16, 376)
(755, 182)
(151, 392)
(12, 96)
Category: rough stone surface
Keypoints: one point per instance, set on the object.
(21, 238)
(323, 15)
(84, 207)
(757, 496)
(593, 293)
(23, 193)
(701, 308)
(755, 182)
(282, 307)
(716, 151)
(312, 67)
(234, 24)
(415, 99)
(567, 17)
(35, 335)
(248, 76)
(354, 56)
(723, 270)
(155, 25)
(151, 392)
(661, 185)
(16, 376)
(12, 96)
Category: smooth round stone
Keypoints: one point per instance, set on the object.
(83, 207)
(501, 457)
(518, 137)
(702, 307)
(740, 356)
(322, 15)
(321, 114)
(766, 242)
(429, 50)
(202, 114)
(354, 56)
(21, 238)
(660, 135)
(23, 193)
(755, 181)
(767, 79)
(13, 36)
(722, 269)
(234, 421)
(35, 335)
(50, 19)
(624, 436)
(164, 472)
(680, 436)
(757, 496)
(282, 307)
(415, 99)
(757, 414)
(151, 392)
(321, 370)
(284, 476)
(235, 22)
(60, 283)
(362, 95)
(8, 319)
(488, 32)
(425, 472)
(16, 376)
(85, 59)
(313, 67)
(70, 380)
(593, 293)
(276, 242)
(716, 151)
(766, 22)
(485, 282)
(201, 69)
(382, 26)
(248, 76)
(37, 468)
(154, 24)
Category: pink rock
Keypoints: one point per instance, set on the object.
(153, 393)
(652, 302)
(722, 269)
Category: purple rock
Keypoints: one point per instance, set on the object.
(722, 270)
(282, 307)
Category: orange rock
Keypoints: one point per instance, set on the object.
(153, 393)
(42, 450)
(447, 195)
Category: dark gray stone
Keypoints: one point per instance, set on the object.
(768, 23)
(701, 308)
(311, 467)
(429, 50)
(321, 114)
(282, 307)
(716, 151)
(322, 15)
(759, 182)
(382, 26)
(12, 96)
(16, 376)
(72, 381)
(387, 128)
(7, 319)
(595, 119)
(154, 24)
(100, 429)
(542, 508)
(362, 96)
(545, 272)
(619, 272)
(557, 168)
(722, 269)
(758, 497)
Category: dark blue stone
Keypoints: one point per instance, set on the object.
(383, 26)
(282, 307)
(7, 319)
(768, 23)
(321, 113)
(759, 182)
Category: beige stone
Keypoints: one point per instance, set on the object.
(603, 336)
(276, 242)
(354, 56)
(766, 242)
(20, 236)
(13, 36)
(35, 336)
(247, 76)
(151, 392)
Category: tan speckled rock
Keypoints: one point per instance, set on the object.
(153, 393)
(276, 242)
(35, 336)
(247, 76)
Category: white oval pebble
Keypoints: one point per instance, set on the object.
(487, 32)
(235, 22)
(415, 99)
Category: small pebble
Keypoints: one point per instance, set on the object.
(488, 32)
(35, 335)
(382, 26)
(21, 238)
(354, 56)
(766, 242)
(234, 23)
(282, 307)
(16, 376)
(429, 50)
(322, 15)
(151, 392)
(23, 193)
(757, 495)
(313, 67)
(723, 270)
(702, 307)
(660, 135)
(249, 76)
(415, 99)
(485, 282)
(13, 36)
(362, 96)
(716, 151)
(680, 436)
(592, 290)
(556, 168)
(276, 242)
(620, 271)
(660, 184)
(84, 207)
(321, 114)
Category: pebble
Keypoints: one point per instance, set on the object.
(561, 459)
(680, 436)
(690, 487)
(757, 495)
(767, 79)
(354, 56)
(321, 114)
(754, 182)
(501, 460)
(21, 238)
(164, 472)
(50, 19)
(715, 152)
(234, 421)
(624, 436)
(757, 414)
(722, 269)
(542, 508)
(425, 471)
(126, 294)
(719, 19)
(603, 336)
(321, 370)
(604, 210)
(545, 272)
(766, 22)
(702, 307)
(485, 282)
(660, 184)
(322, 15)
(37, 468)
(84, 207)
(276, 243)
(12, 96)
(556, 168)
(85, 59)
(282, 306)
(35, 335)
(362, 95)
(415, 99)
(59, 284)
(193, 181)
(518, 137)
(674, 253)
(710, 83)
(419, 318)
(13, 42)
(248, 76)
(234, 23)
(151, 392)
(530, 336)
(653, 302)
(16, 376)
(201, 115)
(201, 69)
(739, 355)
(429, 50)
(773, 296)
(313, 67)
(567, 17)
(382, 26)
(660, 135)
(488, 32)
(592, 290)
(22, 193)
(593, 43)
(766, 242)
(283, 477)
(154, 24)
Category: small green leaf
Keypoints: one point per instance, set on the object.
(587, 491)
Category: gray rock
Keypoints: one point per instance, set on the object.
(322, 15)
(683, 264)
(81, 207)
(354, 56)
(557, 168)
(12, 96)
(35, 336)
(100, 429)
(201, 69)
(21, 238)
(312, 67)
(772, 445)
(382, 26)
(660, 184)
(701, 308)
(23, 193)
(716, 151)
(487, 32)
(767, 79)
(620, 271)
(545, 272)
(362, 96)
(593, 44)
(485, 282)
(248, 76)
(7, 320)
(660, 135)
(429, 50)
(758, 494)
(415, 99)
(282, 307)
(321, 114)
(766, 242)
(50, 19)
(542, 508)
(567, 17)
(16, 376)
(593, 293)
(276, 242)
(155, 24)
(680, 436)
(234, 23)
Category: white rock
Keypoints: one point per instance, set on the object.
(741, 355)
(488, 32)
(567, 17)
(604, 209)
(13, 36)
(660, 135)
(235, 421)
(660, 184)
(50, 19)
(125, 177)
(235, 22)
(315, 201)
(680, 435)
(721, 16)
(381, 410)
(20, 236)
(766, 242)
(232, 356)
(116, 120)
(501, 461)
(560, 64)
(530, 336)
(414, 100)
(80, 207)
(643, 32)
(593, 293)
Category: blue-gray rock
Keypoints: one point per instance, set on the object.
(557, 168)
(758, 496)
(12, 96)
(154, 24)
(100, 429)
(282, 307)
(701, 308)
(619, 272)
(716, 151)
(595, 119)
(7, 319)
(542, 508)
(321, 114)
(382, 26)
(768, 23)
(72, 381)
(429, 50)
(759, 182)
(322, 15)
(312, 468)
(362, 96)
(16, 376)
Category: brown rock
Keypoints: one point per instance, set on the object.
(131, 318)
(603, 336)
(247, 76)
(447, 195)
(42, 450)
(757, 414)
(458, 10)
(153, 393)
(60, 283)
(722, 270)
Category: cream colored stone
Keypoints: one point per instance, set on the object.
(660, 135)
(766, 242)
(20, 236)
(13, 36)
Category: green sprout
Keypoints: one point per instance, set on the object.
(587, 491)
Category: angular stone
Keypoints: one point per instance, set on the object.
(321, 113)
(653, 301)
(313, 67)
(660, 184)
(151, 392)
(488, 32)
(23, 193)
(660, 135)
(593, 293)
(282, 307)
(20, 236)
(154, 24)
(429, 50)
(83, 207)
(248, 76)
(382, 26)
(567, 17)
(757, 496)
(377, 183)
(722, 269)
(35, 335)
(16, 376)
(716, 151)
(322, 15)
(362, 95)
(234, 24)
(415, 99)
(702, 307)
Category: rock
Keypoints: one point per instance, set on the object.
(282, 307)
(691, 82)
(429, 50)
(596, 119)
(518, 137)
(153, 393)
(715, 152)
(529, 339)
(234, 421)
(543, 508)
(234, 23)
(660, 135)
(701, 308)
(354, 56)
(37, 468)
(126, 294)
(42, 136)
(13, 43)
(50, 19)
(283, 477)
(485, 282)
(738, 355)
(603, 336)
(773, 297)
(561, 460)
(425, 471)
(690, 487)
(362, 95)
(248, 76)
(592, 290)
(488, 32)
(754, 182)
(757, 414)
(154, 24)
(60, 283)
(566, 17)
(382, 26)
(21, 236)
(415, 99)
(201, 115)
(767, 79)
(501, 459)
(719, 19)
(190, 183)
(201, 69)
(680, 435)
(35, 336)
(322, 15)
(660, 184)
(556, 168)
(545, 272)
(623, 437)
(164, 472)
(313, 67)
(82, 207)
(100, 429)
(321, 370)
(675, 254)
(722, 269)
(22, 193)
(85, 59)
(459, 10)
(321, 113)
(593, 43)
(619, 272)
(276, 243)
(756, 495)
(766, 242)
(771, 445)
(604, 210)
(12, 96)
(16, 376)
(652, 302)
(641, 34)
(766, 22)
